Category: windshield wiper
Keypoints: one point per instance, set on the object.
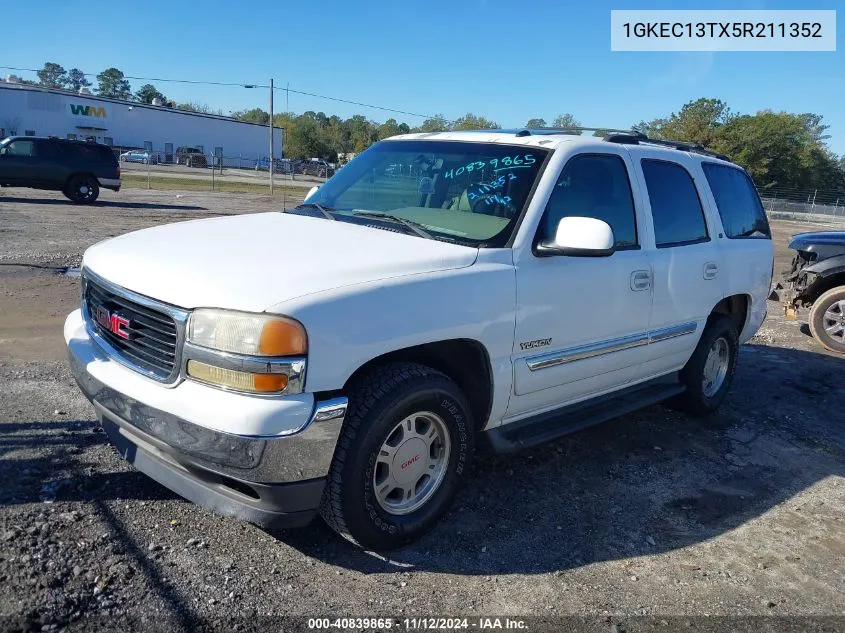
(411, 226)
(319, 208)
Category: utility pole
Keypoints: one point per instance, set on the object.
(272, 140)
(287, 97)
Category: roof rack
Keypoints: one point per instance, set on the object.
(637, 138)
(612, 135)
(536, 131)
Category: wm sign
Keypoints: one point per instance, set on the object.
(88, 110)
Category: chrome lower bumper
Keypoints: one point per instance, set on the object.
(306, 454)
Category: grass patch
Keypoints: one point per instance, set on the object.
(139, 181)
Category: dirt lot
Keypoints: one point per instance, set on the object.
(654, 521)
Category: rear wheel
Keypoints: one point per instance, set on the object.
(82, 189)
(403, 452)
(709, 372)
(827, 319)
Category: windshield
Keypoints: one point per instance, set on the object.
(466, 192)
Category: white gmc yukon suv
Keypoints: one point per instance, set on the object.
(442, 292)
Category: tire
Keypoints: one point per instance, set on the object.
(362, 501)
(705, 392)
(82, 189)
(826, 315)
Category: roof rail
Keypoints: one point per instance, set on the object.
(640, 138)
(568, 130)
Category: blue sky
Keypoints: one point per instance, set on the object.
(509, 61)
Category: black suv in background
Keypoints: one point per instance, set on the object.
(76, 168)
(190, 156)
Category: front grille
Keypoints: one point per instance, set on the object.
(151, 346)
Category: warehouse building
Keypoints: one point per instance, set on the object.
(33, 111)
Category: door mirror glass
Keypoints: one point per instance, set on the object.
(311, 192)
(579, 237)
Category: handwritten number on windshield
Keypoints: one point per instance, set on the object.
(517, 161)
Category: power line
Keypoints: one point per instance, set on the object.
(247, 85)
(358, 103)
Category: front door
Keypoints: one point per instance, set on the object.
(582, 322)
(17, 164)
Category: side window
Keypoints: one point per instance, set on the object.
(738, 203)
(20, 148)
(675, 207)
(593, 186)
(49, 150)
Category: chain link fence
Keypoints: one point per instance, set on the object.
(808, 206)
(204, 169)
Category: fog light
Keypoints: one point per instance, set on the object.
(240, 380)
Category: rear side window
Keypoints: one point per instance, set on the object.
(594, 186)
(675, 206)
(738, 203)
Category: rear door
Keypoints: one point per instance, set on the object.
(687, 265)
(51, 159)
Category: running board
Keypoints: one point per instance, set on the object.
(552, 425)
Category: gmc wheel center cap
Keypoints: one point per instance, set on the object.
(409, 461)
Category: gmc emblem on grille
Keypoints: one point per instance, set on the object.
(113, 322)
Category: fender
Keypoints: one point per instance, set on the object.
(829, 267)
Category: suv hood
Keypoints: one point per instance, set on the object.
(254, 261)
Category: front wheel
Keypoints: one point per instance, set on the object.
(827, 319)
(709, 372)
(402, 455)
(82, 189)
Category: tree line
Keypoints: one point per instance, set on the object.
(111, 83)
(779, 149)
(776, 148)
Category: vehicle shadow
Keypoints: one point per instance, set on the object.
(646, 483)
(54, 471)
(117, 204)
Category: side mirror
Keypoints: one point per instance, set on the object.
(311, 192)
(579, 237)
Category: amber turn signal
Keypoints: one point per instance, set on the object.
(238, 380)
(282, 337)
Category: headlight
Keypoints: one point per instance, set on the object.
(245, 333)
(252, 353)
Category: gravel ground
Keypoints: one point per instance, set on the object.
(654, 521)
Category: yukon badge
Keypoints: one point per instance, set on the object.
(540, 342)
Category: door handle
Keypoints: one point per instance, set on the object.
(640, 280)
(710, 270)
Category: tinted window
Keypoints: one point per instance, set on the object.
(737, 200)
(96, 153)
(593, 186)
(675, 207)
(49, 150)
(20, 148)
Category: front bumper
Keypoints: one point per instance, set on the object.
(274, 480)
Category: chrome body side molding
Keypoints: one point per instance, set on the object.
(572, 354)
